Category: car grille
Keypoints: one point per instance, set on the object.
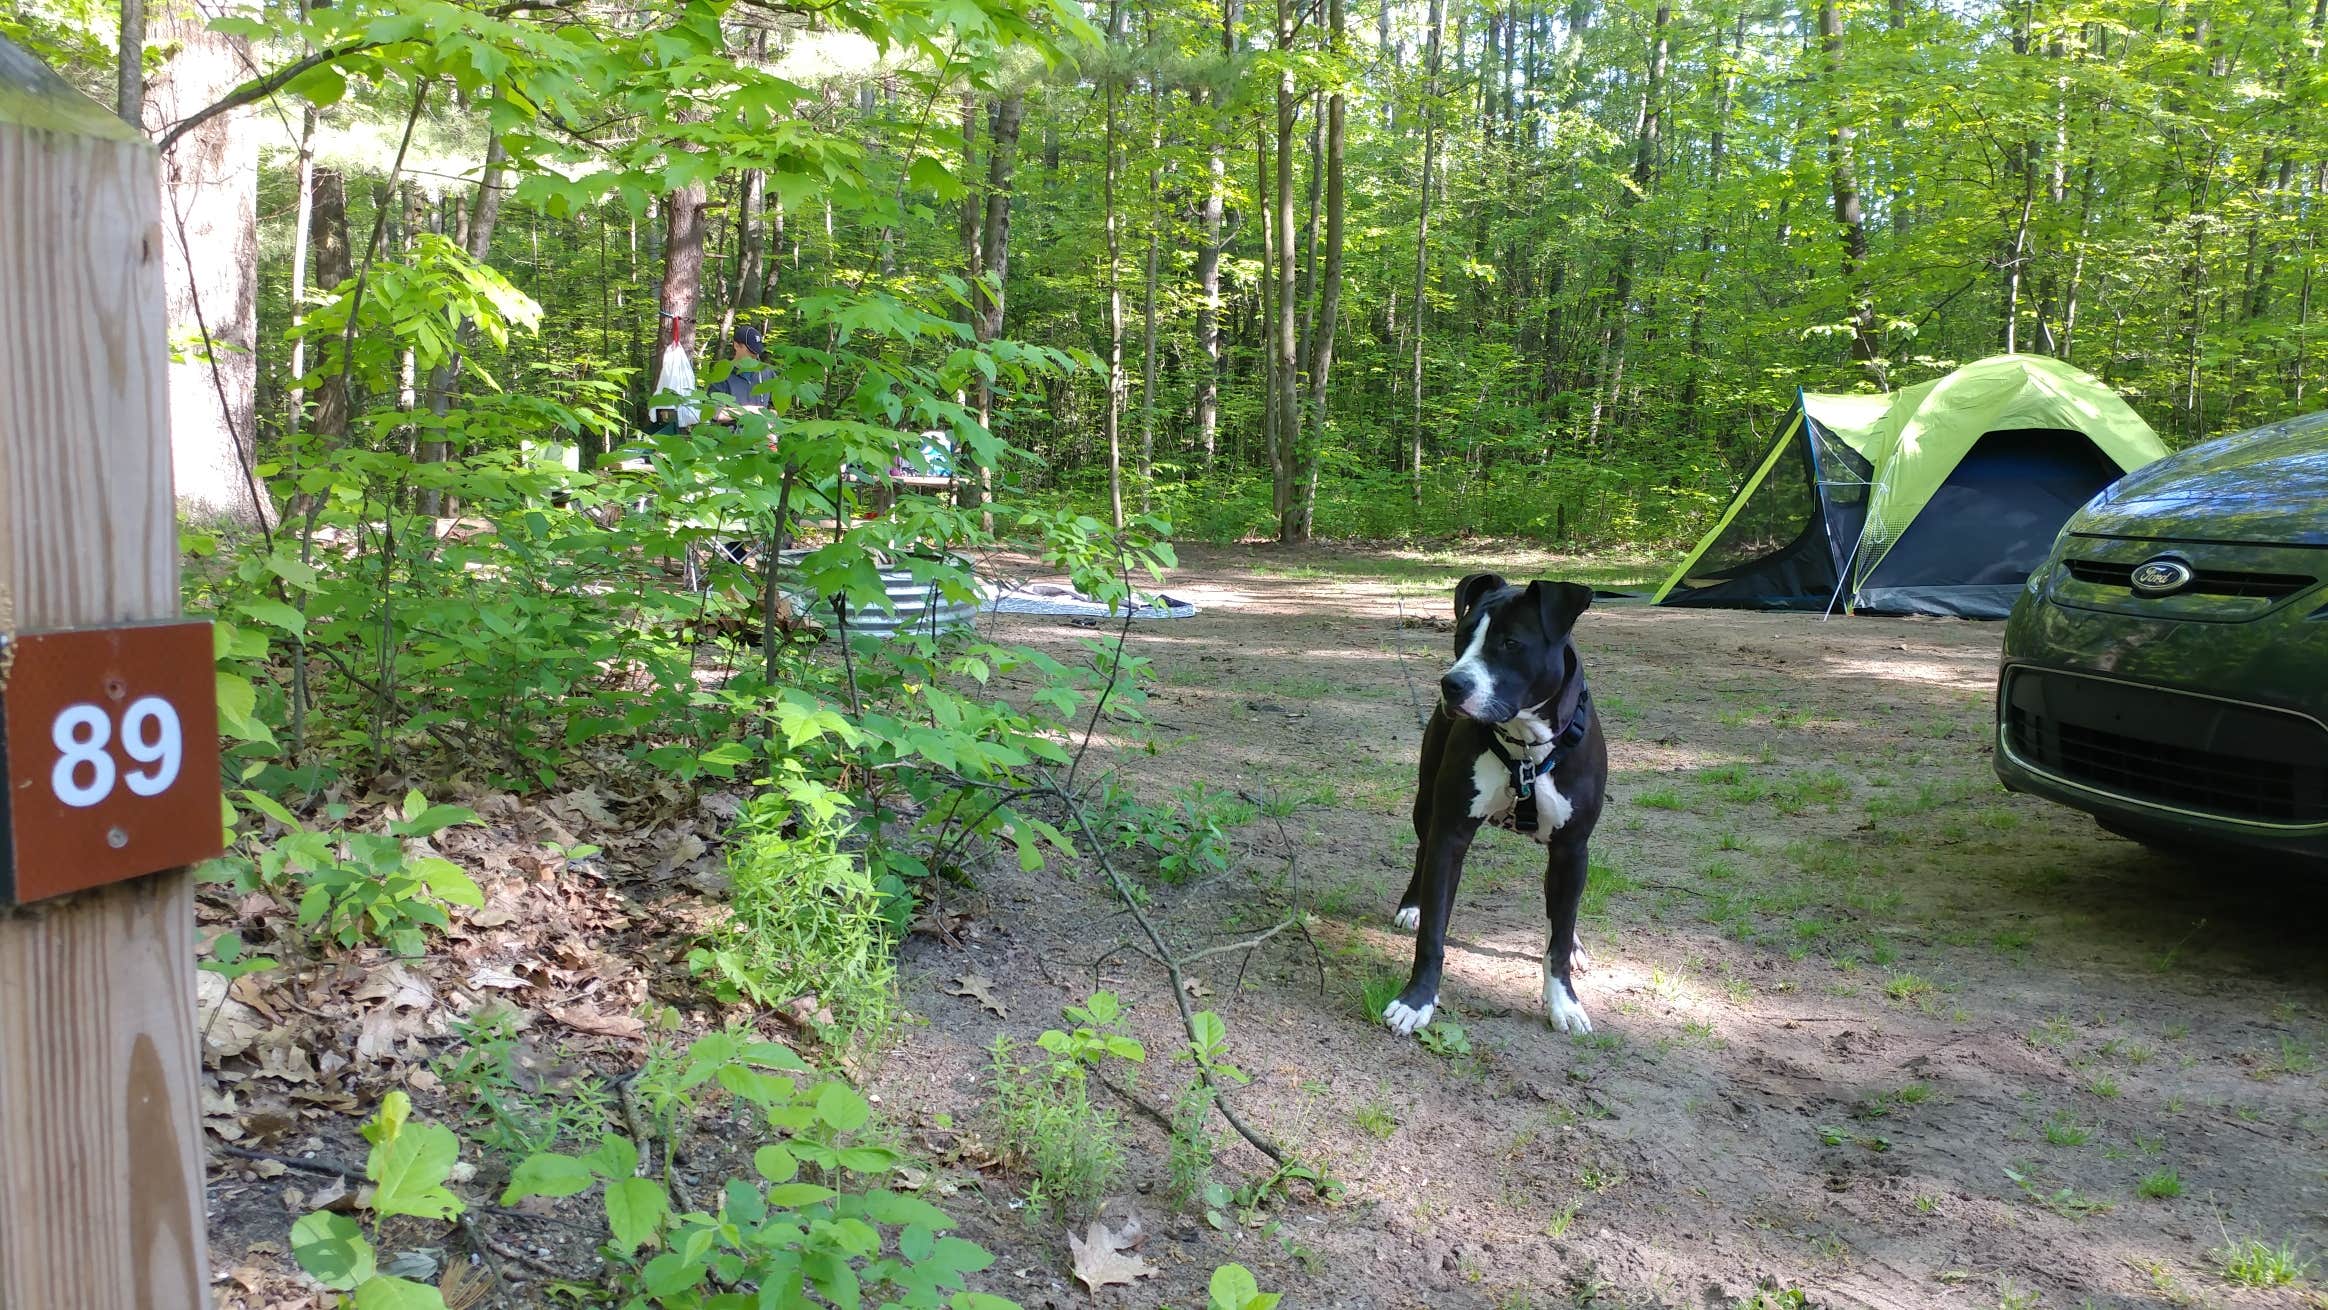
(2204, 582)
(2165, 747)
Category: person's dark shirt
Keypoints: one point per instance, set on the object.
(738, 385)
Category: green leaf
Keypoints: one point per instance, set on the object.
(792, 1196)
(410, 1170)
(321, 86)
(776, 1163)
(841, 1108)
(893, 1208)
(1233, 1287)
(274, 613)
(445, 880)
(549, 1175)
(614, 1158)
(635, 1210)
(332, 1249)
(669, 1274)
(385, 1293)
(928, 173)
(867, 1159)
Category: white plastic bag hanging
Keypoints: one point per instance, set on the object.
(678, 378)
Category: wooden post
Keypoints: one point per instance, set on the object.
(101, 1184)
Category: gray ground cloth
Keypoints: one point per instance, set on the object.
(1053, 598)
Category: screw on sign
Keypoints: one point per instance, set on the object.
(110, 752)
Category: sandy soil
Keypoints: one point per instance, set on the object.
(1868, 1029)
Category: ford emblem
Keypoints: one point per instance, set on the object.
(2162, 576)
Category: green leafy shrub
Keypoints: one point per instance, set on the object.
(354, 887)
(814, 1226)
(408, 1165)
(1044, 1120)
(1233, 1288)
(803, 918)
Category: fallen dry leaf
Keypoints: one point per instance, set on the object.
(979, 988)
(228, 1026)
(604, 1025)
(1103, 1257)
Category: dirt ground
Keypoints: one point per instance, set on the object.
(1869, 1031)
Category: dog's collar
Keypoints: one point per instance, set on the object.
(1574, 718)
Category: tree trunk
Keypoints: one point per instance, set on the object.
(1717, 152)
(334, 265)
(477, 241)
(1616, 339)
(1115, 290)
(1148, 297)
(1002, 137)
(1415, 320)
(1284, 385)
(302, 236)
(1840, 136)
(210, 230)
(682, 288)
(129, 68)
(1208, 287)
(1329, 303)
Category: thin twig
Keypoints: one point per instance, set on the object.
(1164, 956)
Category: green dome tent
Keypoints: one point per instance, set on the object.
(1938, 499)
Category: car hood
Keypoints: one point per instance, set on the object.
(2267, 484)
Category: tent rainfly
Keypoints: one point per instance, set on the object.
(1938, 499)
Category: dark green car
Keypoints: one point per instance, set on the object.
(2166, 668)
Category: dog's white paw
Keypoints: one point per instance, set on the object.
(1561, 1007)
(1578, 961)
(1404, 1021)
(1409, 918)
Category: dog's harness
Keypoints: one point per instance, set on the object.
(1575, 720)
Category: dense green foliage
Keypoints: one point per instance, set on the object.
(1647, 225)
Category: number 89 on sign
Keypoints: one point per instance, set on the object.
(111, 755)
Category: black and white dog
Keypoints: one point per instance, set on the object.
(1514, 741)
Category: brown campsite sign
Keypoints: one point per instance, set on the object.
(111, 756)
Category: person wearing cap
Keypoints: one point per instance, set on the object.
(744, 375)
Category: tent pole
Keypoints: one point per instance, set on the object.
(1737, 502)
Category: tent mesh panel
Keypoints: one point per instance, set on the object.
(1775, 516)
(1996, 516)
(1775, 552)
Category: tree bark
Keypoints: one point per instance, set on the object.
(1329, 302)
(477, 242)
(682, 286)
(1284, 385)
(1416, 319)
(302, 236)
(334, 265)
(1208, 287)
(1115, 289)
(1148, 296)
(1848, 217)
(210, 189)
(129, 72)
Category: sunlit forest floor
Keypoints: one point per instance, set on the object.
(1867, 1028)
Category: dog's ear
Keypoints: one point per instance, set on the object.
(1469, 591)
(1560, 603)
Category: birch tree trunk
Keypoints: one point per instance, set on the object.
(1115, 290)
(210, 231)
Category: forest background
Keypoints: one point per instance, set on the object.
(1428, 268)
